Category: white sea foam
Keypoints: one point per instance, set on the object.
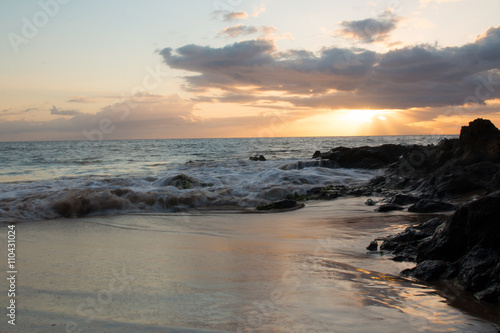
(238, 183)
(43, 180)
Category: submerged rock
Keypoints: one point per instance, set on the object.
(182, 182)
(283, 204)
(257, 158)
(370, 202)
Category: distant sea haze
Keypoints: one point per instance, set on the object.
(39, 179)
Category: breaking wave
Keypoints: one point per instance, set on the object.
(241, 184)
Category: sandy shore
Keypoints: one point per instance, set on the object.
(305, 270)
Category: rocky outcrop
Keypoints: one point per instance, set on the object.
(465, 248)
(364, 157)
(453, 167)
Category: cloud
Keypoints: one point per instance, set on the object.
(228, 16)
(79, 99)
(145, 117)
(427, 2)
(10, 112)
(270, 32)
(59, 112)
(137, 116)
(257, 10)
(336, 78)
(239, 30)
(267, 32)
(369, 30)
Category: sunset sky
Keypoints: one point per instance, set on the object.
(76, 70)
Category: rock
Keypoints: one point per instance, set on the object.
(364, 157)
(327, 192)
(404, 246)
(370, 202)
(388, 208)
(257, 158)
(475, 223)
(454, 167)
(283, 204)
(431, 206)
(465, 248)
(404, 199)
(316, 154)
(373, 246)
(428, 270)
(494, 184)
(491, 294)
(180, 181)
(480, 141)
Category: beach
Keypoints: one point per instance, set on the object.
(304, 270)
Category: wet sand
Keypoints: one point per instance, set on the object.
(299, 271)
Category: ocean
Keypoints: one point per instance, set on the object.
(46, 180)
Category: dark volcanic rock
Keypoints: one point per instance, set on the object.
(388, 208)
(475, 223)
(453, 167)
(316, 154)
(465, 248)
(373, 246)
(429, 270)
(431, 206)
(405, 244)
(283, 204)
(257, 158)
(370, 202)
(491, 294)
(364, 157)
(404, 199)
(494, 185)
(480, 141)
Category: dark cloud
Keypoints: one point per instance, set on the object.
(239, 30)
(417, 76)
(59, 112)
(369, 30)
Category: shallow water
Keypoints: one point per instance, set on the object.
(300, 271)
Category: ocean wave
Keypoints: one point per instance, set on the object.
(240, 184)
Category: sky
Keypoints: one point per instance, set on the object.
(104, 70)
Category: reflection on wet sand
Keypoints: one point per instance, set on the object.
(301, 271)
